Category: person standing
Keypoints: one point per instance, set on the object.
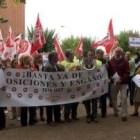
(91, 105)
(119, 74)
(52, 66)
(2, 114)
(136, 96)
(70, 65)
(100, 59)
(26, 63)
(132, 64)
(2, 118)
(15, 110)
(38, 63)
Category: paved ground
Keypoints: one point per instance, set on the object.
(110, 128)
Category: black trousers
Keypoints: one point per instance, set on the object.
(41, 111)
(87, 107)
(103, 104)
(131, 90)
(109, 93)
(24, 115)
(70, 109)
(2, 118)
(53, 110)
(74, 110)
(91, 108)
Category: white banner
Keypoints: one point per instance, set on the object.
(134, 41)
(136, 80)
(28, 88)
(2, 78)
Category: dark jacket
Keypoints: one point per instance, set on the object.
(50, 67)
(137, 59)
(102, 60)
(121, 67)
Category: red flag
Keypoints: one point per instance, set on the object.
(59, 50)
(79, 49)
(25, 49)
(110, 30)
(35, 53)
(18, 43)
(1, 44)
(38, 37)
(10, 39)
(108, 41)
(10, 46)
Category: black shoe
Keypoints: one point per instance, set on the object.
(88, 120)
(51, 124)
(120, 105)
(67, 119)
(95, 120)
(42, 119)
(110, 105)
(75, 118)
(103, 116)
(124, 119)
(24, 125)
(35, 120)
(135, 114)
(60, 121)
(131, 103)
(1, 129)
(32, 123)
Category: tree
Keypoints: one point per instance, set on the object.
(123, 40)
(87, 44)
(49, 45)
(72, 43)
(4, 5)
(19, 1)
(30, 32)
(49, 35)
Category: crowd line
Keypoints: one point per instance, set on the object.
(121, 67)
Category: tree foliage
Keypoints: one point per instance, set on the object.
(3, 20)
(49, 45)
(72, 43)
(30, 32)
(19, 1)
(87, 44)
(3, 3)
(123, 39)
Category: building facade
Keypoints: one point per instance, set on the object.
(16, 18)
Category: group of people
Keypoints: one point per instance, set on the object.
(120, 64)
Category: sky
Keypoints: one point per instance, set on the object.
(84, 17)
